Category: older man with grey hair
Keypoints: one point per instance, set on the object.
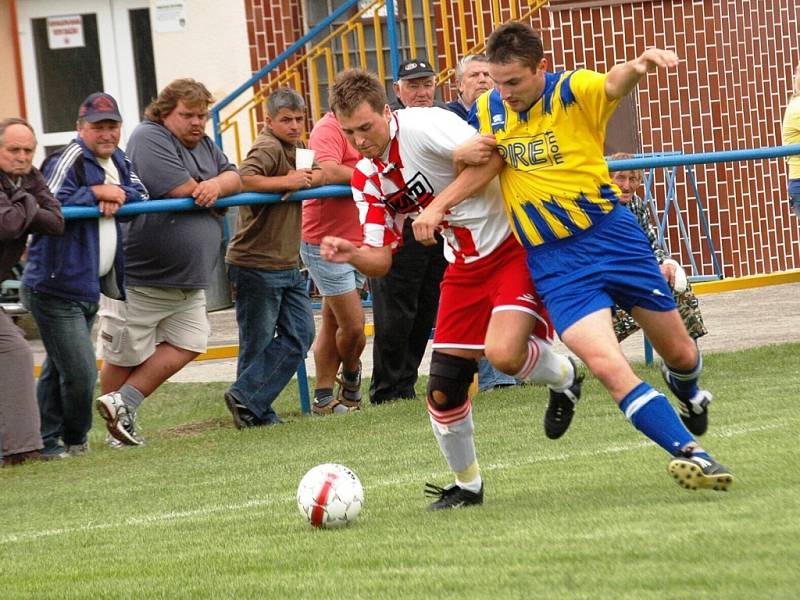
(472, 78)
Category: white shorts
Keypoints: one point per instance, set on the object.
(129, 331)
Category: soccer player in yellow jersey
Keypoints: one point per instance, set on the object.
(586, 252)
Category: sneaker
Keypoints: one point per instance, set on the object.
(243, 417)
(561, 407)
(330, 406)
(349, 392)
(120, 419)
(54, 453)
(452, 496)
(692, 472)
(77, 449)
(113, 442)
(694, 411)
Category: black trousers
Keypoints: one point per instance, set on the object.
(404, 305)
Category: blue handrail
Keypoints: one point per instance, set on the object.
(391, 26)
(182, 204)
(674, 160)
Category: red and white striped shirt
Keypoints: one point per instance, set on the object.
(417, 165)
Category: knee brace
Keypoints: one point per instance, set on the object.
(449, 380)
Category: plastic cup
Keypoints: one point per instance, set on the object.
(303, 158)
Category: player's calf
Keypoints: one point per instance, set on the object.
(450, 411)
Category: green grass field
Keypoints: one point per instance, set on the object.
(205, 511)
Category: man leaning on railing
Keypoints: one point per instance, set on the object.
(169, 257)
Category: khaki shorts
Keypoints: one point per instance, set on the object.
(129, 331)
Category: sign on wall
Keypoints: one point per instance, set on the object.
(65, 32)
(170, 15)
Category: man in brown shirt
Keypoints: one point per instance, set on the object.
(273, 309)
(26, 206)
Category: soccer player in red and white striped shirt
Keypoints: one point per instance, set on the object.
(488, 303)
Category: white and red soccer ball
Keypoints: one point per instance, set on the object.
(330, 495)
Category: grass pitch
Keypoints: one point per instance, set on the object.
(205, 511)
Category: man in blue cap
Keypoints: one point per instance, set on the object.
(64, 276)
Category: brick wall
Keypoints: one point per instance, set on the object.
(272, 26)
(728, 94)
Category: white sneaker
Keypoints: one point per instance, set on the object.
(120, 418)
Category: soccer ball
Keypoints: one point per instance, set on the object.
(330, 495)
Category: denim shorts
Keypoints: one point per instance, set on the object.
(794, 195)
(331, 279)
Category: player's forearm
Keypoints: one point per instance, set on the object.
(621, 80)
(468, 183)
(372, 262)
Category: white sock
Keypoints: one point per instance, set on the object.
(545, 366)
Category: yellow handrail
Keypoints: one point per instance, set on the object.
(351, 40)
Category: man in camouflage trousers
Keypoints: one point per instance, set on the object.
(688, 305)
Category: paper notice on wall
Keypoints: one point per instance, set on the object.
(170, 16)
(65, 32)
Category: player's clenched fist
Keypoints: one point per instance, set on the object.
(336, 249)
(426, 224)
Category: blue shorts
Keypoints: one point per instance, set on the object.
(331, 279)
(609, 263)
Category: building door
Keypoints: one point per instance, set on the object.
(71, 48)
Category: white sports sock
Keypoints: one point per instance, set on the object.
(545, 366)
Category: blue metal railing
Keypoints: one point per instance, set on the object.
(185, 204)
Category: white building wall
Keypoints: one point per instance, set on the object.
(212, 49)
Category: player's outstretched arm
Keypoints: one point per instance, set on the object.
(372, 262)
(468, 183)
(622, 78)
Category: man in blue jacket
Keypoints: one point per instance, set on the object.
(64, 276)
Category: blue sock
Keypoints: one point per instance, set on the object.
(684, 383)
(651, 413)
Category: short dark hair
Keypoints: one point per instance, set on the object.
(8, 122)
(193, 93)
(515, 42)
(354, 86)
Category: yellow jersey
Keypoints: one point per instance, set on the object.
(556, 181)
(791, 134)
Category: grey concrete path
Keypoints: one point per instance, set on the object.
(735, 320)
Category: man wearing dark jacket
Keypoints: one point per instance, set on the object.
(405, 300)
(65, 275)
(26, 206)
